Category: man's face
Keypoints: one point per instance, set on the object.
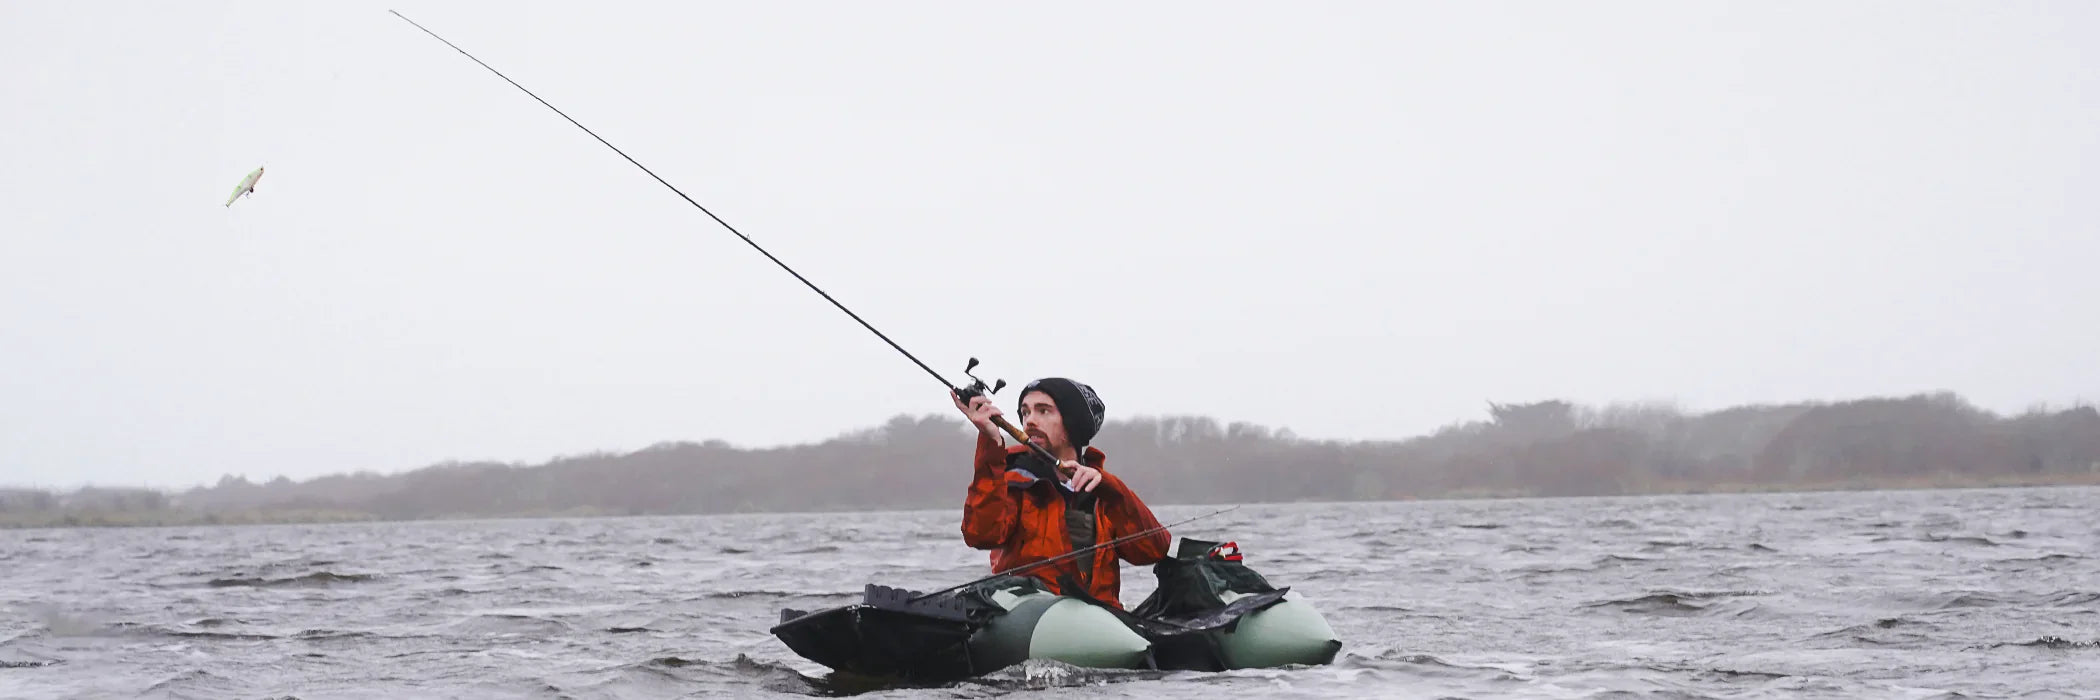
(1039, 418)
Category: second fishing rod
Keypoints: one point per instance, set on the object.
(975, 388)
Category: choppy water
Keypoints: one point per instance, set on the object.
(1923, 594)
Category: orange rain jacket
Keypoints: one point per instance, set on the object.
(1021, 519)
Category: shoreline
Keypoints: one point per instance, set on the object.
(90, 519)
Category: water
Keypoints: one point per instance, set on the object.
(1920, 594)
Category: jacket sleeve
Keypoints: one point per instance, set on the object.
(991, 509)
(1127, 515)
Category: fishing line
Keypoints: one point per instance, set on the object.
(689, 200)
(977, 388)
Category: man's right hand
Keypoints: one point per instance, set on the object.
(981, 411)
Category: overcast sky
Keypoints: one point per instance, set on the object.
(1354, 220)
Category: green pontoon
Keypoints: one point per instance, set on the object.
(1210, 613)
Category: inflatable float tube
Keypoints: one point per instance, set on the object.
(1210, 613)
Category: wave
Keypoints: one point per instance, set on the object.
(209, 632)
(1042, 674)
(1956, 600)
(1888, 631)
(1962, 539)
(1427, 665)
(205, 634)
(314, 634)
(1733, 674)
(4, 663)
(2055, 642)
(318, 578)
(670, 675)
(768, 675)
(1682, 603)
(60, 624)
(185, 684)
(2072, 599)
(718, 595)
(508, 623)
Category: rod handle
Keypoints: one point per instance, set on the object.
(1011, 430)
(1023, 438)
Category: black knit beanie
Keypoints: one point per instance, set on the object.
(1081, 408)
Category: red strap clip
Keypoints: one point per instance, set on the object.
(1229, 551)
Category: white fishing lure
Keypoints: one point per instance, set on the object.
(246, 187)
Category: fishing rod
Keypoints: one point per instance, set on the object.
(966, 393)
(1069, 555)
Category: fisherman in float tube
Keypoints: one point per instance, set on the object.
(1025, 510)
(1049, 508)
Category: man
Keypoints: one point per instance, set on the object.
(1025, 510)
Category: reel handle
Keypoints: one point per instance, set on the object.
(977, 386)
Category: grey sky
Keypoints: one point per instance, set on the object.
(1356, 220)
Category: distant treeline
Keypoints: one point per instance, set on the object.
(1549, 448)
